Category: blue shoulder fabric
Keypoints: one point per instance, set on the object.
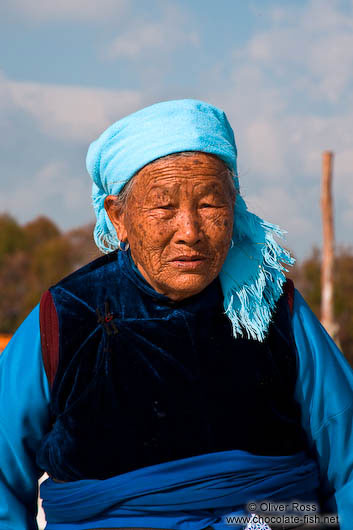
(325, 391)
(24, 419)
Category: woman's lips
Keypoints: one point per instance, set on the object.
(188, 262)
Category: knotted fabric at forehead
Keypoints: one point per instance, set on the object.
(252, 275)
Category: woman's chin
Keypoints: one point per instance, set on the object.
(187, 283)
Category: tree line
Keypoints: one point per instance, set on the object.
(32, 258)
(36, 255)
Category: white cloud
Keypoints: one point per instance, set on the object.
(289, 99)
(41, 10)
(68, 112)
(53, 191)
(343, 170)
(45, 131)
(262, 139)
(344, 167)
(284, 207)
(286, 151)
(173, 29)
(311, 46)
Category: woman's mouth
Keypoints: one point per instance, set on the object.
(189, 262)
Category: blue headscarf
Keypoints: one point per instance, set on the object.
(252, 275)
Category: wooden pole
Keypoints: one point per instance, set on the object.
(327, 315)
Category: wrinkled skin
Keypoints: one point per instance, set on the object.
(178, 222)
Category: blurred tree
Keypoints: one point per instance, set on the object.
(49, 262)
(307, 279)
(39, 231)
(13, 288)
(83, 246)
(12, 237)
(34, 257)
(344, 299)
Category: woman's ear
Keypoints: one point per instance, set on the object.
(116, 216)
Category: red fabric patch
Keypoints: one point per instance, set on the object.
(49, 334)
(288, 288)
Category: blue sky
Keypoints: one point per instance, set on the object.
(282, 71)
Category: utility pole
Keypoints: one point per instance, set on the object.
(327, 315)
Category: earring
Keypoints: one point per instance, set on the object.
(125, 247)
(231, 244)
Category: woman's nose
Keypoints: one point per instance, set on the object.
(188, 227)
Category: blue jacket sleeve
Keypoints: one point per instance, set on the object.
(324, 390)
(24, 419)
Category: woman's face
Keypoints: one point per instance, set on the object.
(178, 221)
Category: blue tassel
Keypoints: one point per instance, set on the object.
(252, 276)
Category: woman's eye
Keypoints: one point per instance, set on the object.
(206, 205)
(165, 206)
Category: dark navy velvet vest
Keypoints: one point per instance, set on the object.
(143, 380)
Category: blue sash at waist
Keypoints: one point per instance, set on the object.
(185, 494)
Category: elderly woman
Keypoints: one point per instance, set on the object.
(179, 378)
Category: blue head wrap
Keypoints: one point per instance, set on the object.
(252, 275)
